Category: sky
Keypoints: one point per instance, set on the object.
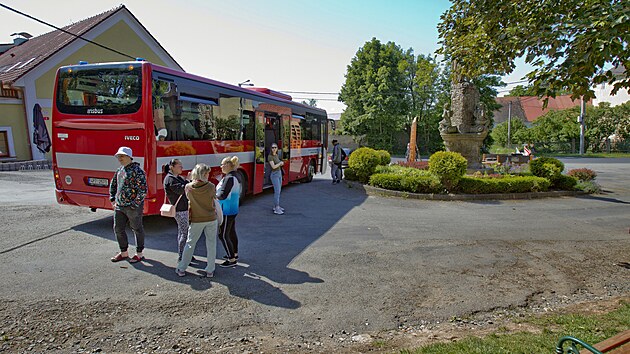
(291, 46)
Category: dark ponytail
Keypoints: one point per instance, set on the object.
(167, 168)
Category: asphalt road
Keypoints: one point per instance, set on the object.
(337, 262)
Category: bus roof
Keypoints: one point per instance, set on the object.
(265, 93)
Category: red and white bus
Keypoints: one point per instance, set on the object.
(163, 114)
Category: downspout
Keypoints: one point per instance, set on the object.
(28, 134)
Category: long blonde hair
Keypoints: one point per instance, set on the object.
(232, 161)
(200, 171)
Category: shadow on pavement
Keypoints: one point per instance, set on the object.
(268, 243)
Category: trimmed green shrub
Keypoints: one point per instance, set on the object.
(385, 157)
(515, 184)
(364, 161)
(537, 167)
(582, 174)
(407, 171)
(349, 174)
(406, 183)
(449, 167)
(564, 183)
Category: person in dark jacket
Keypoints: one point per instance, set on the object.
(126, 192)
(174, 185)
(228, 194)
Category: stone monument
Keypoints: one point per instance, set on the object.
(464, 125)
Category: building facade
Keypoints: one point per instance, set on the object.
(29, 65)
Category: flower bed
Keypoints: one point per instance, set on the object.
(547, 175)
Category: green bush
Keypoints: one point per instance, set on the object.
(349, 174)
(515, 184)
(564, 183)
(364, 161)
(385, 157)
(406, 183)
(537, 167)
(449, 167)
(407, 171)
(582, 174)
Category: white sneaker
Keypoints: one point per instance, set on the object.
(278, 211)
(180, 273)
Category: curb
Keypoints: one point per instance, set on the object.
(375, 191)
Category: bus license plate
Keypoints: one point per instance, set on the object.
(98, 182)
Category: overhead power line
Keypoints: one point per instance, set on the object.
(64, 31)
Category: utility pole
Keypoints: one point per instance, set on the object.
(509, 141)
(581, 121)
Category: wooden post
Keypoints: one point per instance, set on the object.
(412, 140)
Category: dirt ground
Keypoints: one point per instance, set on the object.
(63, 327)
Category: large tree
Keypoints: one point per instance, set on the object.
(572, 44)
(375, 94)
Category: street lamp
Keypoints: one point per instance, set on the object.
(245, 83)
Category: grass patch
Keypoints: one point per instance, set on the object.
(591, 328)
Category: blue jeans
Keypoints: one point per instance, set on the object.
(122, 215)
(276, 180)
(194, 233)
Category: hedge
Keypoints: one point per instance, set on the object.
(406, 183)
(517, 184)
(564, 183)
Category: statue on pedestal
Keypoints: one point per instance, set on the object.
(464, 125)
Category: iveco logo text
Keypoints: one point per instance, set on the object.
(132, 137)
(95, 111)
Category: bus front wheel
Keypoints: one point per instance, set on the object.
(311, 172)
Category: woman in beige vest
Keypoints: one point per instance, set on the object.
(203, 218)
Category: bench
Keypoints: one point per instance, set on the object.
(514, 159)
(613, 345)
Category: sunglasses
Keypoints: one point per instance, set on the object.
(274, 147)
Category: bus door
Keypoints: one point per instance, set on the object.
(267, 133)
(324, 141)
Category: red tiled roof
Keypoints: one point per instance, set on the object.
(530, 108)
(19, 60)
(533, 107)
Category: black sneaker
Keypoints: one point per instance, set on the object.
(226, 257)
(228, 264)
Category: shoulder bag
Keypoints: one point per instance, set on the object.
(217, 207)
(167, 209)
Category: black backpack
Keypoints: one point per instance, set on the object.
(343, 154)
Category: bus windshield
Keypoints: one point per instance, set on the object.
(100, 90)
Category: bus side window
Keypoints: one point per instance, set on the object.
(248, 127)
(164, 99)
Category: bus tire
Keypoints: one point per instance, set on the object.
(311, 172)
(242, 176)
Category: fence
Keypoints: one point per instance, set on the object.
(26, 165)
(573, 146)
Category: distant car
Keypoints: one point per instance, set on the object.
(344, 163)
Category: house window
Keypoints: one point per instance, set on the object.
(7, 149)
(4, 144)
